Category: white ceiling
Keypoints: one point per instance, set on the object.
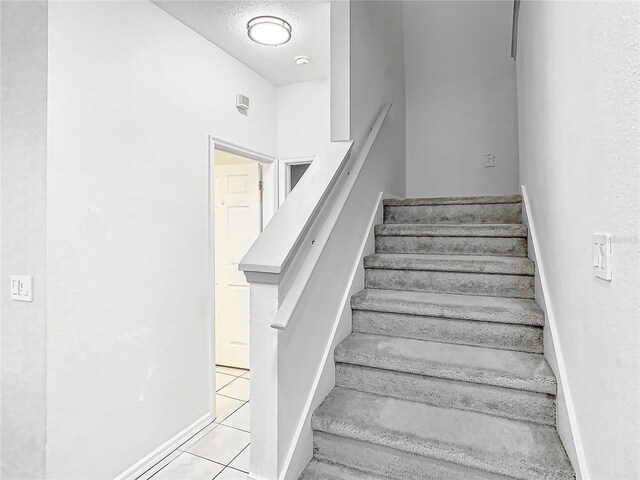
(224, 23)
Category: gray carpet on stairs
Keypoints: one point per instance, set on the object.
(443, 376)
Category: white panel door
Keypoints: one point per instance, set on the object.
(237, 221)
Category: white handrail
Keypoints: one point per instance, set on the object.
(306, 269)
(278, 244)
(292, 300)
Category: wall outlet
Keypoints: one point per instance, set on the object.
(601, 247)
(21, 288)
(489, 160)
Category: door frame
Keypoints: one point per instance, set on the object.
(284, 174)
(262, 159)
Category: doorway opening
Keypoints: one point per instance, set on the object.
(238, 222)
(242, 200)
(291, 171)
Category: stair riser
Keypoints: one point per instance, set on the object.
(523, 338)
(497, 285)
(435, 450)
(522, 316)
(498, 401)
(515, 247)
(537, 383)
(453, 214)
(422, 230)
(389, 462)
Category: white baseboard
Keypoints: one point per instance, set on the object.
(564, 401)
(165, 449)
(290, 460)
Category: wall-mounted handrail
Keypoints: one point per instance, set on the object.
(306, 267)
(514, 29)
(292, 300)
(274, 249)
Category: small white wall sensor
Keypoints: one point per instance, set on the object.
(242, 102)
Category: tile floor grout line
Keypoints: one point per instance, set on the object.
(165, 466)
(239, 455)
(243, 371)
(207, 459)
(230, 468)
(235, 428)
(233, 398)
(234, 411)
(218, 463)
(160, 461)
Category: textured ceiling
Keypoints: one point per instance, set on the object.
(224, 23)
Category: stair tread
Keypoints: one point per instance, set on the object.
(453, 200)
(451, 263)
(475, 440)
(465, 307)
(502, 368)
(451, 230)
(321, 470)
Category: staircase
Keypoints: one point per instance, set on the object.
(443, 376)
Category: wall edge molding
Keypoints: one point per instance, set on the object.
(550, 319)
(306, 415)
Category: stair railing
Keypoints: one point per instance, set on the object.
(279, 267)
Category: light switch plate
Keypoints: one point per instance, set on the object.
(21, 288)
(601, 247)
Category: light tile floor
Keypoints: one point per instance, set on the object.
(221, 449)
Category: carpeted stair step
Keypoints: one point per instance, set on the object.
(500, 368)
(452, 239)
(432, 373)
(511, 324)
(487, 443)
(457, 274)
(321, 470)
(467, 307)
(502, 402)
(389, 462)
(454, 210)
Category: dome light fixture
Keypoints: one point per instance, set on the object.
(302, 60)
(267, 30)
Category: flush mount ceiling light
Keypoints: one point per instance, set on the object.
(268, 30)
(302, 60)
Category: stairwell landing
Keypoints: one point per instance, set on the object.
(443, 376)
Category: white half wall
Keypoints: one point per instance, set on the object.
(579, 119)
(23, 198)
(461, 98)
(133, 98)
(376, 78)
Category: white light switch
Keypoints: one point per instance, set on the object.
(21, 288)
(602, 255)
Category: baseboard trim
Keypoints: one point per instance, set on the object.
(165, 449)
(304, 418)
(563, 381)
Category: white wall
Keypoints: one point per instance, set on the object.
(133, 96)
(461, 98)
(303, 118)
(579, 118)
(23, 197)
